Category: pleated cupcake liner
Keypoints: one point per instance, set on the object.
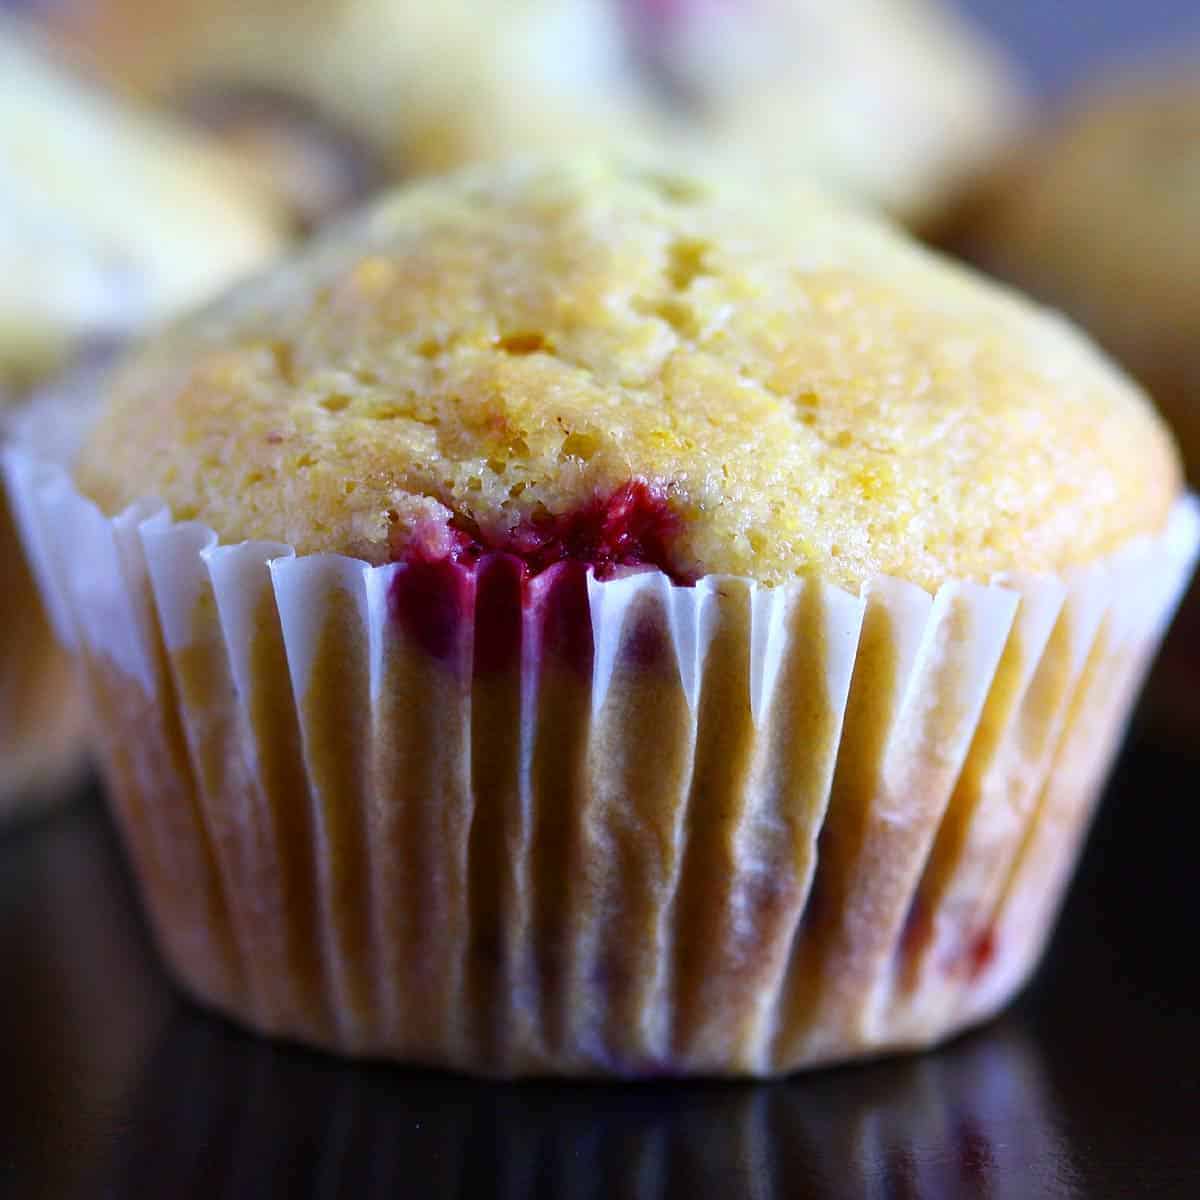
(42, 756)
(41, 712)
(556, 825)
(43, 742)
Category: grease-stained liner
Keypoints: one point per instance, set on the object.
(551, 825)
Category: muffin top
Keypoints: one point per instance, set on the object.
(109, 218)
(1103, 216)
(809, 84)
(784, 85)
(623, 365)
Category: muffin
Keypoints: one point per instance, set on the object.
(898, 104)
(316, 167)
(112, 218)
(1102, 218)
(596, 621)
(109, 220)
(783, 86)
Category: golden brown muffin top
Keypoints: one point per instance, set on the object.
(760, 386)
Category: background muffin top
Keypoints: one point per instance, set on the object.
(109, 217)
(779, 85)
(790, 386)
(1102, 215)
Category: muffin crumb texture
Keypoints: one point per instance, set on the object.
(615, 365)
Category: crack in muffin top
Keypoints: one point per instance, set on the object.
(800, 388)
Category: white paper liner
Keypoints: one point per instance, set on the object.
(42, 755)
(823, 825)
(41, 714)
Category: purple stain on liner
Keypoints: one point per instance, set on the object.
(432, 601)
(564, 616)
(500, 604)
(647, 641)
(449, 576)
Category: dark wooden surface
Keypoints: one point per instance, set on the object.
(1089, 1087)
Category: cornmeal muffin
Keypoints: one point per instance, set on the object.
(109, 221)
(598, 621)
(894, 102)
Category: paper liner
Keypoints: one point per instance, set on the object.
(41, 710)
(594, 828)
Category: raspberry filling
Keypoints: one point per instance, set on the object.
(536, 571)
(633, 527)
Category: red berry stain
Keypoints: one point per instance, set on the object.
(634, 526)
(430, 599)
(647, 644)
(451, 571)
(981, 953)
(565, 617)
(499, 612)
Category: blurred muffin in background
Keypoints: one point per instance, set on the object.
(110, 218)
(317, 167)
(898, 103)
(1101, 217)
(894, 102)
(109, 221)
